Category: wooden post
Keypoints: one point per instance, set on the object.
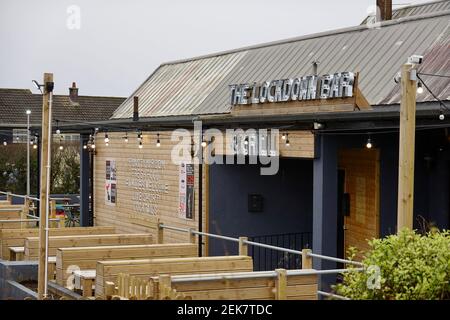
(160, 231)
(165, 286)
(62, 221)
(281, 284)
(306, 259)
(191, 236)
(25, 212)
(110, 289)
(45, 172)
(243, 247)
(406, 150)
(9, 197)
(53, 212)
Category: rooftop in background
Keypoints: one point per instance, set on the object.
(200, 85)
(70, 108)
(415, 10)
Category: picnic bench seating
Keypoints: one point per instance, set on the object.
(55, 242)
(87, 257)
(11, 212)
(261, 285)
(16, 237)
(84, 281)
(107, 271)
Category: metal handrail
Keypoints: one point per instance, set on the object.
(19, 196)
(25, 220)
(259, 274)
(320, 256)
(263, 245)
(332, 295)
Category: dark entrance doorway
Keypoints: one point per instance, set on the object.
(270, 209)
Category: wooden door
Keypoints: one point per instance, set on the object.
(362, 183)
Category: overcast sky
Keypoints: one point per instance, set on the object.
(120, 42)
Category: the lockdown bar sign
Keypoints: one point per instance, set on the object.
(329, 86)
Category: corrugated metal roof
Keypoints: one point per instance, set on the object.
(180, 86)
(415, 10)
(200, 85)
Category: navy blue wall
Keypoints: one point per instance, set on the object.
(287, 201)
(431, 188)
(432, 175)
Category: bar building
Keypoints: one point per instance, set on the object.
(331, 190)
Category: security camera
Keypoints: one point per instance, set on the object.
(318, 125)
(415, 59)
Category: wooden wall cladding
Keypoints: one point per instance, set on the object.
(362, 182)
(137, 207)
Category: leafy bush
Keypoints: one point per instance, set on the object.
(65, 171)
(412, 267)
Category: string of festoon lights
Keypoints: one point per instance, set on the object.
(140, 139)
(421, 84)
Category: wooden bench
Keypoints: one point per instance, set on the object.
(249, 286)
(16, 237)
(107, 271)
(55, 242)
(16, 253)
(87, 257)
(280, 284)
(11, 213)
(11, 207)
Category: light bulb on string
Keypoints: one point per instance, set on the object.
(158, 141)
(441, 116)
(204, 142)
(283, 136)
(125, 138)
(84, 146)
(140, 145)
(419, 87)
(288, 144)
(5, 143)
(92, 142)
(106, 138)
(369, 143)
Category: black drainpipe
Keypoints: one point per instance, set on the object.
(91, 187)
(200, 204)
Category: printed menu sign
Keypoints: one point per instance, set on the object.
(111, 183)
(186, 191)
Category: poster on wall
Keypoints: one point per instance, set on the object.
(111, 183)
(186, 191)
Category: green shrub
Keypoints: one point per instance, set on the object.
(412, 267)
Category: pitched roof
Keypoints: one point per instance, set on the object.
(15, 102)
(200, 85)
